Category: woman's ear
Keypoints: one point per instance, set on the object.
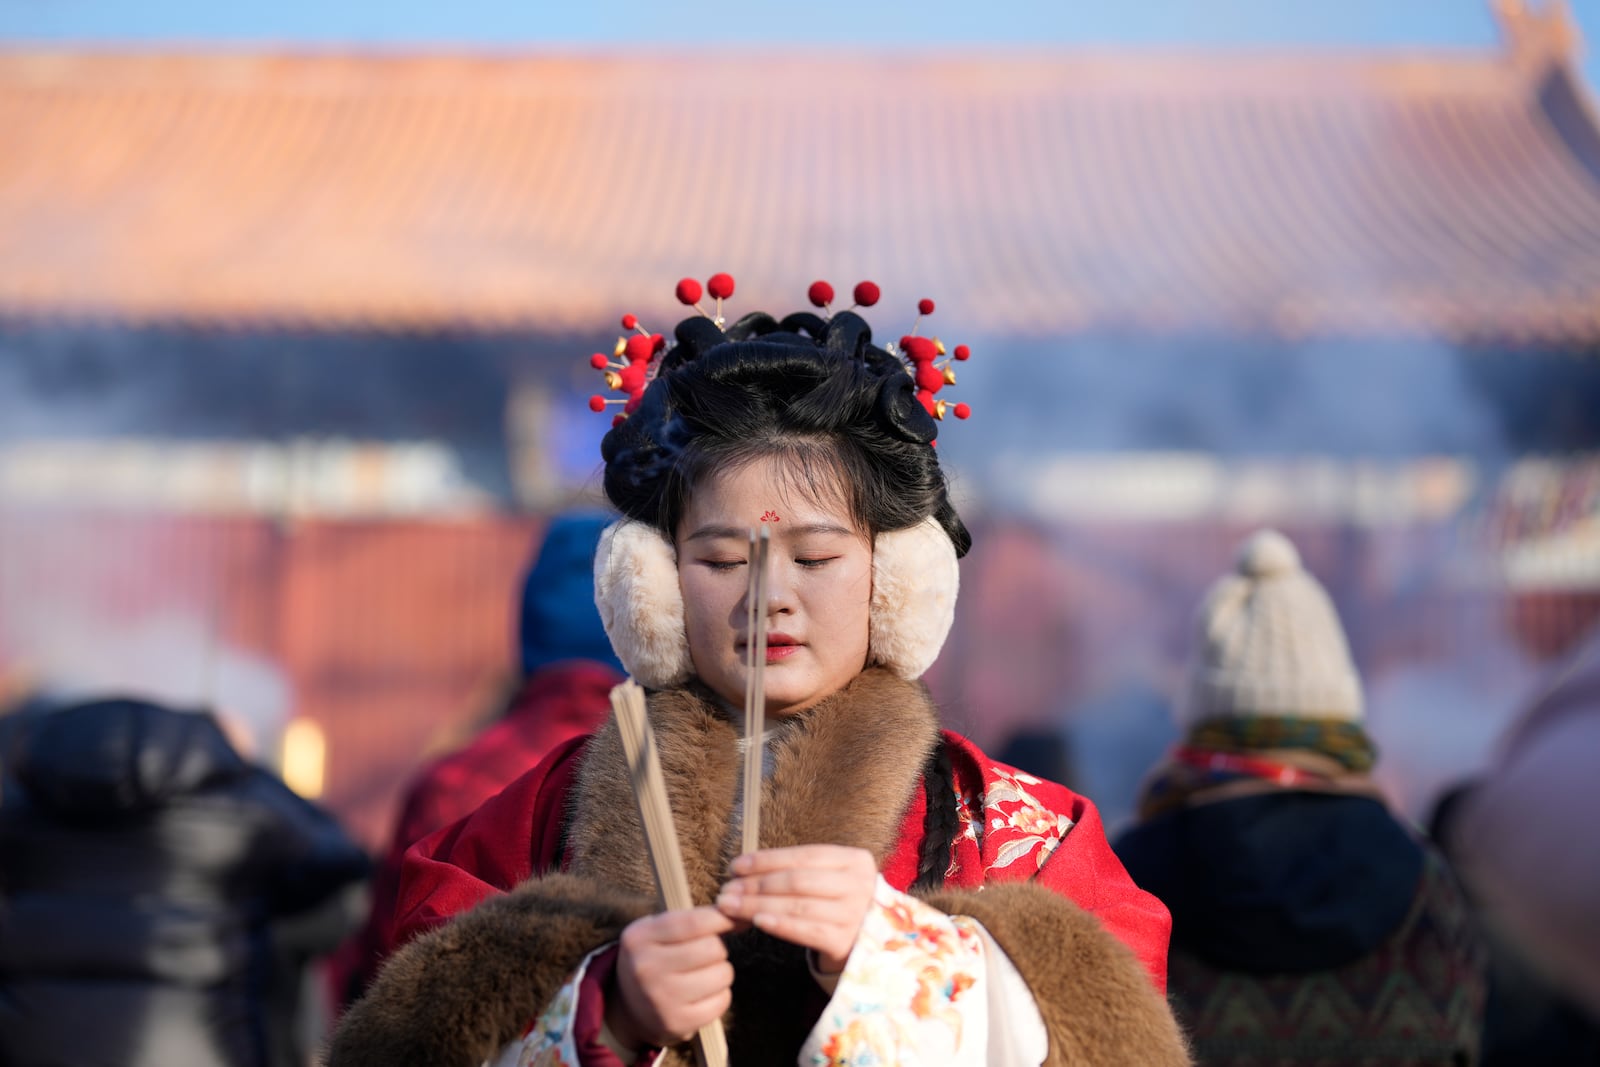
(914, 583)
(641, 605)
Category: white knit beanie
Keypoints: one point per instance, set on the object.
(1269, 643)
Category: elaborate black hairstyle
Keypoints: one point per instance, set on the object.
(812, 390)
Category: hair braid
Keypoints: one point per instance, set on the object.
(942, 821)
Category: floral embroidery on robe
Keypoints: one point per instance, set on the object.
(1020, 826)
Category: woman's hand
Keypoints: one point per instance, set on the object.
(672, 977)
(812, 895)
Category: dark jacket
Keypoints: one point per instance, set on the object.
(143, 863)
(1312, 928)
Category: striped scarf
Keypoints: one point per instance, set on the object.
(1265, 751)
(1338, 739)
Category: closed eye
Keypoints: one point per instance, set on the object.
(814, 563)
(722, 564)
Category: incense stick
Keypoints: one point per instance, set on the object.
(660, 835)
(755, 688)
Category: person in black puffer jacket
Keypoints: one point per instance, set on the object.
(144, 863)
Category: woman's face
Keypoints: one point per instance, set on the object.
(819, 587)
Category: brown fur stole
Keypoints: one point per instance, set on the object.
(843, 773)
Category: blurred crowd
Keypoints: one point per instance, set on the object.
(163, 897)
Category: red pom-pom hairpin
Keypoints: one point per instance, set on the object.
(719, 287)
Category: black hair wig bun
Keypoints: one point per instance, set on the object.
(816, 390)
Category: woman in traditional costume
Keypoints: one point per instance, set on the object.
(912, 900)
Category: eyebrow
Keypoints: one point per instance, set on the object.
(713, 533)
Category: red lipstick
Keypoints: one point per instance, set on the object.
(781, 646)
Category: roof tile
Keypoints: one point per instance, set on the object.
(1032, 194)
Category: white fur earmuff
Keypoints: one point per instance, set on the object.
(641, 606)
(915, 578)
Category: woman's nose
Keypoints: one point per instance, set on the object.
(780, 589)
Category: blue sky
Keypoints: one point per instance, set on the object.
(588, 24)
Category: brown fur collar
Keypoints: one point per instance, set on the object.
(1095, 997)
(843, 774)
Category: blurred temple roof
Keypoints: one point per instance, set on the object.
(1454, 194)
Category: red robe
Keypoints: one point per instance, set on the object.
(517, 834)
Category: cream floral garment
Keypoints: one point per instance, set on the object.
(923, 987)
(920, 988)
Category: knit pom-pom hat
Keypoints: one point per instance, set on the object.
(1269, 644)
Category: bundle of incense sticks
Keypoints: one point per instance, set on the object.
(660, 835)
(755, 685)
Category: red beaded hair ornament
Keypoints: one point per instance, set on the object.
(925, 357)
(632, 376)
(922, 354)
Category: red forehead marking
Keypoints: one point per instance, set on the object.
(771, 516)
